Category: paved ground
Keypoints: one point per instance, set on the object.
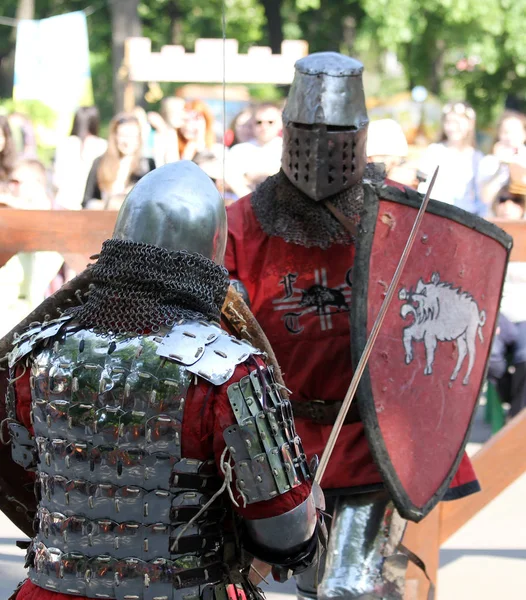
(486, 560)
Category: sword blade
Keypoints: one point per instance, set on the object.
(349, 396)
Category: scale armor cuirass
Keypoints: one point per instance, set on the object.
(116, 494)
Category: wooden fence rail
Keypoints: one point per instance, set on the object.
(79, 234)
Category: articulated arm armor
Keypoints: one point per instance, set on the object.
(268, 461)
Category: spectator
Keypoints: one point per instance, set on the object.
(29, 186)
(7, 154)
(242, 127)
(166, 126)
(213, 167)
(458, 178)
(75, 156)
(251, 162)
(196, 133)
(147, 132)
(23, 134)
(507, 366)
(509, 153)
(386, 143)
(115, 172)
(26, 277)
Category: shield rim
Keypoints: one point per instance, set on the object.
(359, 335)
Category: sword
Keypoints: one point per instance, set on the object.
(349, 396)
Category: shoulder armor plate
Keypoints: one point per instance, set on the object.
(268, 456)
(24, 344)
(205, 350)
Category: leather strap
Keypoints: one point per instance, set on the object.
(323, 412)
(345, 221)
(421, 565)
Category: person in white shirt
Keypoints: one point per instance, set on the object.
(74, 157)
(457, 182)
(507, 365)
(250, 163)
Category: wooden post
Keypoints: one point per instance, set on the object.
(500, 462)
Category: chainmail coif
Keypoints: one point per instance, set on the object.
(139, 288)
(284, 211)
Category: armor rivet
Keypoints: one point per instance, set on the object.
(189, 334)
(90, 501)
(248, 443)
(68, 462)
(275, 471)
(241, 483)
(66, 497)
(153, 395)
(87, 575)
(127, 390)
(48, 420)
(32, 383)
(116, 543)
(90, 539)
(117, 505)
(48, 459)
(261, 459)
(232, 449)
(146, 580)
(259, 479)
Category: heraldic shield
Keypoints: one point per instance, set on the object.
(419, 392)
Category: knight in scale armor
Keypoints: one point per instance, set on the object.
(163, 452)
(292, 249)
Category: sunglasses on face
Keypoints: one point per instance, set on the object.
(265, 122)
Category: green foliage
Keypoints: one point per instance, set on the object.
(38, 112)
(433, 40)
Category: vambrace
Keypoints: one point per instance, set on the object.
(290, 542)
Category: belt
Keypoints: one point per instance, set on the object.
(323, 412)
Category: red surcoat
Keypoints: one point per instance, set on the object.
(284, 282)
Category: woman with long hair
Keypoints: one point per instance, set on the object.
(7, 152)
(459, 160)
(119, 168)
(75, 155)
(196, 133)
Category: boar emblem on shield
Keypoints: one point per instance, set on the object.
(441, 313)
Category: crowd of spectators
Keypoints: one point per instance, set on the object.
(90, 172)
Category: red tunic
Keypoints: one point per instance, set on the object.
(285, 282)
(207, 413)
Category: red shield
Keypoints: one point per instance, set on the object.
(419, 392)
